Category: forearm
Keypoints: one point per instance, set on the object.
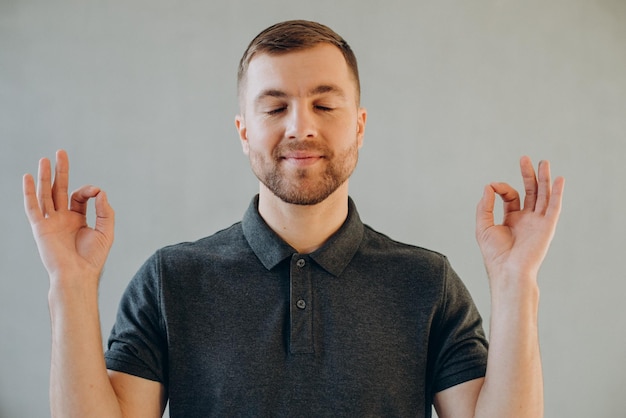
(79, 384)
(513, 386)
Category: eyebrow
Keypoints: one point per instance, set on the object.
(321, 89)
(327, 88)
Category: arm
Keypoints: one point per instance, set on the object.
(74, 255)
(513, 253)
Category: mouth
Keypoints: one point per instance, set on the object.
(302, 159)
(302, 154)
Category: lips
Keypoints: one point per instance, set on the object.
(301, 157)
(302, 161)
(301, 153)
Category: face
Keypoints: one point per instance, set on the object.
(300, 123)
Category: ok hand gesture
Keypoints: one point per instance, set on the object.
(517, 247)
(69, 248)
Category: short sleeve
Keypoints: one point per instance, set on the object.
(138, 341)
(459, 339)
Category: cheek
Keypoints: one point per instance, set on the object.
(263, 135)
(258, 147)
(351, 134)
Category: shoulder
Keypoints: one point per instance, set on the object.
(226, 238)
(379, 245)
(414, 269)
(222, 248)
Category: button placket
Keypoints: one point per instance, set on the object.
(301, 316)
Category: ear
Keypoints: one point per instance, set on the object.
(240, 124)
(360, 125)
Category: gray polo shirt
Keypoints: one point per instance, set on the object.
(240, 324)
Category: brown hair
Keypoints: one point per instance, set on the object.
(295, 35)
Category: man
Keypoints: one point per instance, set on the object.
(299, 309)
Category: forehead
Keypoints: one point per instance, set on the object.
(299, 72)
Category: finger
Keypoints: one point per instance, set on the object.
(61, 175)
(80, 197)
(544, 187)
(44, 195)
(31, 204)
(484, 211)
(105, 216)
(530, 183)
(554, 207)
(510, 197)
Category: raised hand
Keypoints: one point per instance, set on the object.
(68, 247)
(517, 247)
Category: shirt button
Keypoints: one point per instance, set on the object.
(300, 262)
(301, 304)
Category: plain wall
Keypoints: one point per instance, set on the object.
(142, 96)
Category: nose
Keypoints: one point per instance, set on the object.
(301, 123)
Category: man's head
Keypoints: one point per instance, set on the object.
(300, 122)
(294, 35)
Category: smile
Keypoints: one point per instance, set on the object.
(302, 160)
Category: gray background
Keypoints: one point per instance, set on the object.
(142, 95)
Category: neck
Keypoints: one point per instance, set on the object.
(305, 227)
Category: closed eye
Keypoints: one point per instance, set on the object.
(323, 108)
(276, 111)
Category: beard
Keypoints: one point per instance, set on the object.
(307, 185)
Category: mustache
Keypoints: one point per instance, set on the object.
(302, 146)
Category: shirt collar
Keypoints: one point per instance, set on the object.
(333, 256)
